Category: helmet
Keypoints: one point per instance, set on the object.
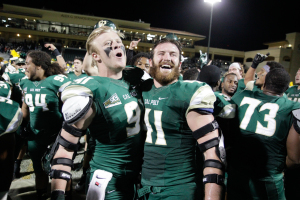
(105, 22)
(20, 61)
(172, 36)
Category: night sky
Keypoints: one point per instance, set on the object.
(237, 24)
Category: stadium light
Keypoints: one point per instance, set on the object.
(211, 12)
(212, 1)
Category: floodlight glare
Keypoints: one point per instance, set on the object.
(212, 1)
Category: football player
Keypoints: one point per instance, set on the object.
(41, 109)
(266, 140)
(224, 109)
(177, 114)
(5, 89)
(257, 85)
(78, 65)
(291, 176)
(141, 60)
(110, 105)
(293, 93)
(11, 66)
(20, 63)
(12, 80)
(10, 120)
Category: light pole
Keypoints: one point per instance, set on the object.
(211, 13)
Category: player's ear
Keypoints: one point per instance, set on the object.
(96, 56)
(150, 62)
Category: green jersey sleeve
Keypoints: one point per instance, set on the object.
(241, 85)
(59, 82)
(5, 89)
(10, 116)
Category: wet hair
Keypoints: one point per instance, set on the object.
(167, 40)
(190, 74)
(41, 58)
(277, 80)
(274, 65)
(138, 56)
(79, 58)
(227, 74)
(90, 47)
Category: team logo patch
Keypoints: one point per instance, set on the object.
(112, 101)
(97, 183)
(36, 83)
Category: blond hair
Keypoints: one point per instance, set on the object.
(90, 47)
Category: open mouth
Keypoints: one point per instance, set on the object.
(119, 55)
(166, 67)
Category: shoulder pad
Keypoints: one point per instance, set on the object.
(75, 108)
(296, 114)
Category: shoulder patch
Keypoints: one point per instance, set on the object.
(112, 101)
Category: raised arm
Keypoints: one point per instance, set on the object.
(130, 52)
(259, 58)
(61, 61)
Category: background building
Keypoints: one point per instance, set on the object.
(68, 32)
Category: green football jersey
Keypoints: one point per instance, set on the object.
(250, 86)
(72, 76)
(5, 90)
(223, 107)
(10, 116)
(42, 99)
(293, 93)
(264, 124)
(169, 152)
(241, 85)
(180, 77)
(14, 78)
(117, 127)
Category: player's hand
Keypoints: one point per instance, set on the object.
(203, 59)
(51, 47)
(134, 44)
(259, 58)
